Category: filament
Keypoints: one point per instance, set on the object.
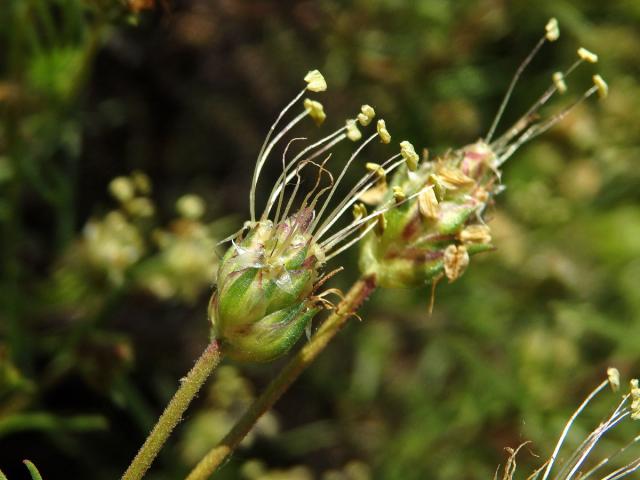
(260, 162)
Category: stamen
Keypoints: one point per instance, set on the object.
(409, 154)
(340, 177)
(593, 440)
(353, 133)
(385, 136)
(587, 56)
(359, 211)
(428, 204)
(259, 163)
(539, 128)
(315, 111)
(315, 81)
(346, 231)
(558, 81)
(378, 171)
(354, 240)
(284, 167)
(364, 184)
(398, 194)
(366, 115)
(525, 120)
(573, 417)
(603, 88)
(551, 30)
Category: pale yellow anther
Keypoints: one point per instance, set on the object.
(316, 111)
(587, 56)
(428, 204)
(603, 88)
(378, 170)
(122, 189)
(366, 115)
(409, 154)
(381, 224)
(456, 260)
(478, 234)
(613, 376)
(552, 30)
(359, 211)
(398, 194)
(558, 81)
(385, 136)
(315, 81)
(353, 133)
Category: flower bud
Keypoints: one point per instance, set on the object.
(262, 304)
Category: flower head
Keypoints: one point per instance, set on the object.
(435, 235)
(267, 281)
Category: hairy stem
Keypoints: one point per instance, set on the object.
(345, 309)
(189, 387)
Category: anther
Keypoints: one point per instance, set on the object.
(315, 81)
(353, 133)
(552, 29)
(398, 194)
(558, 81)
(385, 136)
(409, 154)
(315, 110)
(603, 88)
(366, 115)
(587, 56)
(428, 204)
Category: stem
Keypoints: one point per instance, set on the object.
(189, 387)
(358, 293)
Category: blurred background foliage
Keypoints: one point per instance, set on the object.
(104, 283)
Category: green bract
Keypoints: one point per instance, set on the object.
(265, 280)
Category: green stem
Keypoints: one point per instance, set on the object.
(346, 308)
(189, 387)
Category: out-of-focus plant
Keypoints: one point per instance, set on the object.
(578, 463)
